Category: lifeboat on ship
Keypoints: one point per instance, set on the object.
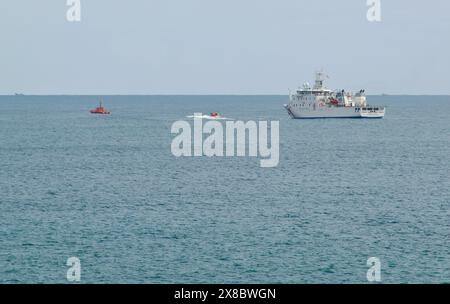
(334, 101)
(100, 110)
(214, 115)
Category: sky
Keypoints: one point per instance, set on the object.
(223, 46)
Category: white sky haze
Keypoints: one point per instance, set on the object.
(223, 47)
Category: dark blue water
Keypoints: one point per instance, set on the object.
(107, 189)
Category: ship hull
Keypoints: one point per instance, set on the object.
(333, 112)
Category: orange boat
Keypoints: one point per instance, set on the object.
(100, 110)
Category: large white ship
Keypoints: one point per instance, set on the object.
(320, 102)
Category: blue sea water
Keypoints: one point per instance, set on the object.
(108, 190)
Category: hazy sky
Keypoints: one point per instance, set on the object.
(222, 46)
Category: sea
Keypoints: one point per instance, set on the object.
(107, 190)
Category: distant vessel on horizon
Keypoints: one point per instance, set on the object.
(320, 102)
(100, 109)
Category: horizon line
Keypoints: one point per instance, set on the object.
(214, 94)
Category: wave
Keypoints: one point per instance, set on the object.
(208, 117)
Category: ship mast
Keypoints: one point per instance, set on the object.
(320, 77)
